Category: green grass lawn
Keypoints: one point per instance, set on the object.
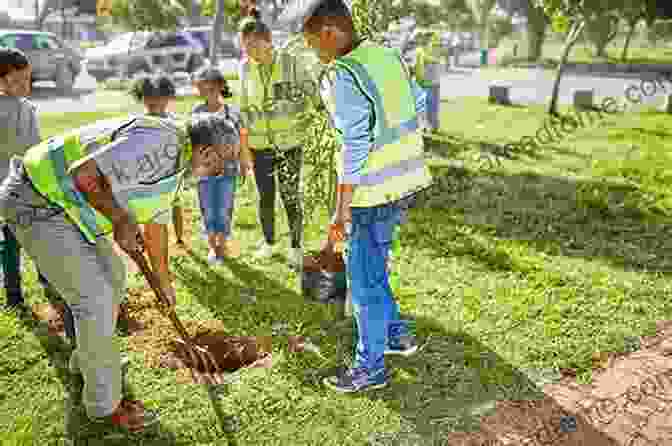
(584, 53)
(514, 270)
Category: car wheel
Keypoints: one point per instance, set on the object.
(65, 78)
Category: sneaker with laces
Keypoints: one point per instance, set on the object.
(401, 340)
(357, 379)
(130, 415)
(402, 346)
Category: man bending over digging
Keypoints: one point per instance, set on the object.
(62, 197)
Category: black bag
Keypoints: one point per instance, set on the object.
(325, 285)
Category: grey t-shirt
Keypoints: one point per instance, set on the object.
(19, 130)
(231, 168)
(141, 161)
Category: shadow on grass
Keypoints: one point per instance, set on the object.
(454, 147)
(445, 388)
(590, 219)
(204, 276)
(79, 431)
(449, 386)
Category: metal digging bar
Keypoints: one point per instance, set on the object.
(199, 357)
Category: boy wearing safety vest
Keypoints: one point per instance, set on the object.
(374, 105)
(63, 197)
(269, 79)
(428, 75)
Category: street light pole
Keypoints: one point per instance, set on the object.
(63, 19)
(217, 32)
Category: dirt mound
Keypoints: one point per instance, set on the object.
(628, 404)
(231, 353)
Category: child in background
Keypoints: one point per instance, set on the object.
(157, 93)
(216, 149)
(212, 86)
(19, 131)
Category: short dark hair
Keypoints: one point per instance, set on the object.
(212, 128)
(12, 59)
(255, 27)
(212, 74)
(330, 11)
(153, 85)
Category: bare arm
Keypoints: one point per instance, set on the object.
(99, 193)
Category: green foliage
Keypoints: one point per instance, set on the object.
(500, 27)
(660, 30)
(231, 9)
(147, 14)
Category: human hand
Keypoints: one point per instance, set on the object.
(127, 234)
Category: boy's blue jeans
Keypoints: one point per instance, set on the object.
(376, 313)
(433, 103)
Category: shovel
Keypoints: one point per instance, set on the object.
(202, 364)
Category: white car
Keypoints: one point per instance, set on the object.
(129, 54)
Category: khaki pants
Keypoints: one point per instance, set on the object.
(91, 279)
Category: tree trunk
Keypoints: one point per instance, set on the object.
(631, 31)
(572, 37)
(536, 33)
(217, 32)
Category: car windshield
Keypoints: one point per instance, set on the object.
(201, 36)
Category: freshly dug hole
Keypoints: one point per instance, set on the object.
(230, 352)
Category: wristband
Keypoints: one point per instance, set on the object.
(345, 188)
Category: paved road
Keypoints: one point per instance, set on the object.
(527, 87)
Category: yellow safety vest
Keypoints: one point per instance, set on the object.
(268, 109)
(395, 167)
(50, 166)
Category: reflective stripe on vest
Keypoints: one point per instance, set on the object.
(272, 120)
(395, 167)
(48, 166)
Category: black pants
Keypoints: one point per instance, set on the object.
(287, 164)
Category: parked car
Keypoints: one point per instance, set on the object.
(51, 58)
(228, 45)
(172, 51)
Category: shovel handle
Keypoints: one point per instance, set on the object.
(163, 301)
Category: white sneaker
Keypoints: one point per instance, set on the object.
(263, 250)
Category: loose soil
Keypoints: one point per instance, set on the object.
(628, 404)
